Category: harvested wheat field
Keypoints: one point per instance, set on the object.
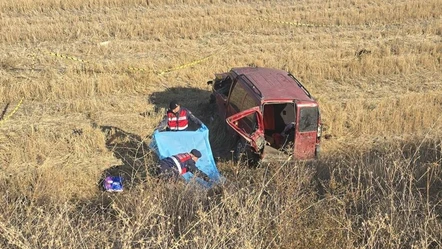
(84, 83)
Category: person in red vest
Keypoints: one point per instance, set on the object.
(177, 118)
(176, 165)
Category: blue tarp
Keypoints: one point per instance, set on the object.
(168, 143)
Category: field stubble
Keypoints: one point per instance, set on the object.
(95, 77)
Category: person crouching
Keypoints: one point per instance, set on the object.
(174, 166)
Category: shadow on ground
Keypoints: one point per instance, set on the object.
(133, 152)
(197, 101)
(194, 99)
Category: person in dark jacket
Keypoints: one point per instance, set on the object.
(177, 118)
(179, 164)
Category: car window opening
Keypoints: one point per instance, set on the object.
(276, 118)
(223, 86)
(251, 124)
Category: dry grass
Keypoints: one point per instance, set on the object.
(95, 77)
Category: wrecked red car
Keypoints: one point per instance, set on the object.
(269, 112)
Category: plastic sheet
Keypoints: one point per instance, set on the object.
(168, 143)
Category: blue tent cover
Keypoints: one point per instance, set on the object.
(168, 143)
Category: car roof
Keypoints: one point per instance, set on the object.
(274, 84)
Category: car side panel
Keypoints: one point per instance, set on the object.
(305, 145)
(221, 102)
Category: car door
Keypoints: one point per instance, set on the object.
(306, 132)
(235, 99)
(222, 92)
(249, 125)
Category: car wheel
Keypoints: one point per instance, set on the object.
(239, 151)
(243, 154)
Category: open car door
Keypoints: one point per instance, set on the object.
(249, 125)
(221, 89)
(306, 134)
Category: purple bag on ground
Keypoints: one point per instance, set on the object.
(113, 184)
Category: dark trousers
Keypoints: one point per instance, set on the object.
(167, 171)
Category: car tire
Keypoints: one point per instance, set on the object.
(243, 154)
(239, 150)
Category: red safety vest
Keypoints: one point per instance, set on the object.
(180, 161)
(177, 122)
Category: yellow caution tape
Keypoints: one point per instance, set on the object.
(184, 66)
(67, 57)
(295, 23)
(137, 69)
(175, 68)
(64, 56)
(12, 113)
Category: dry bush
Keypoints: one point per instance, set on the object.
(390, 195)
(365, 199)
